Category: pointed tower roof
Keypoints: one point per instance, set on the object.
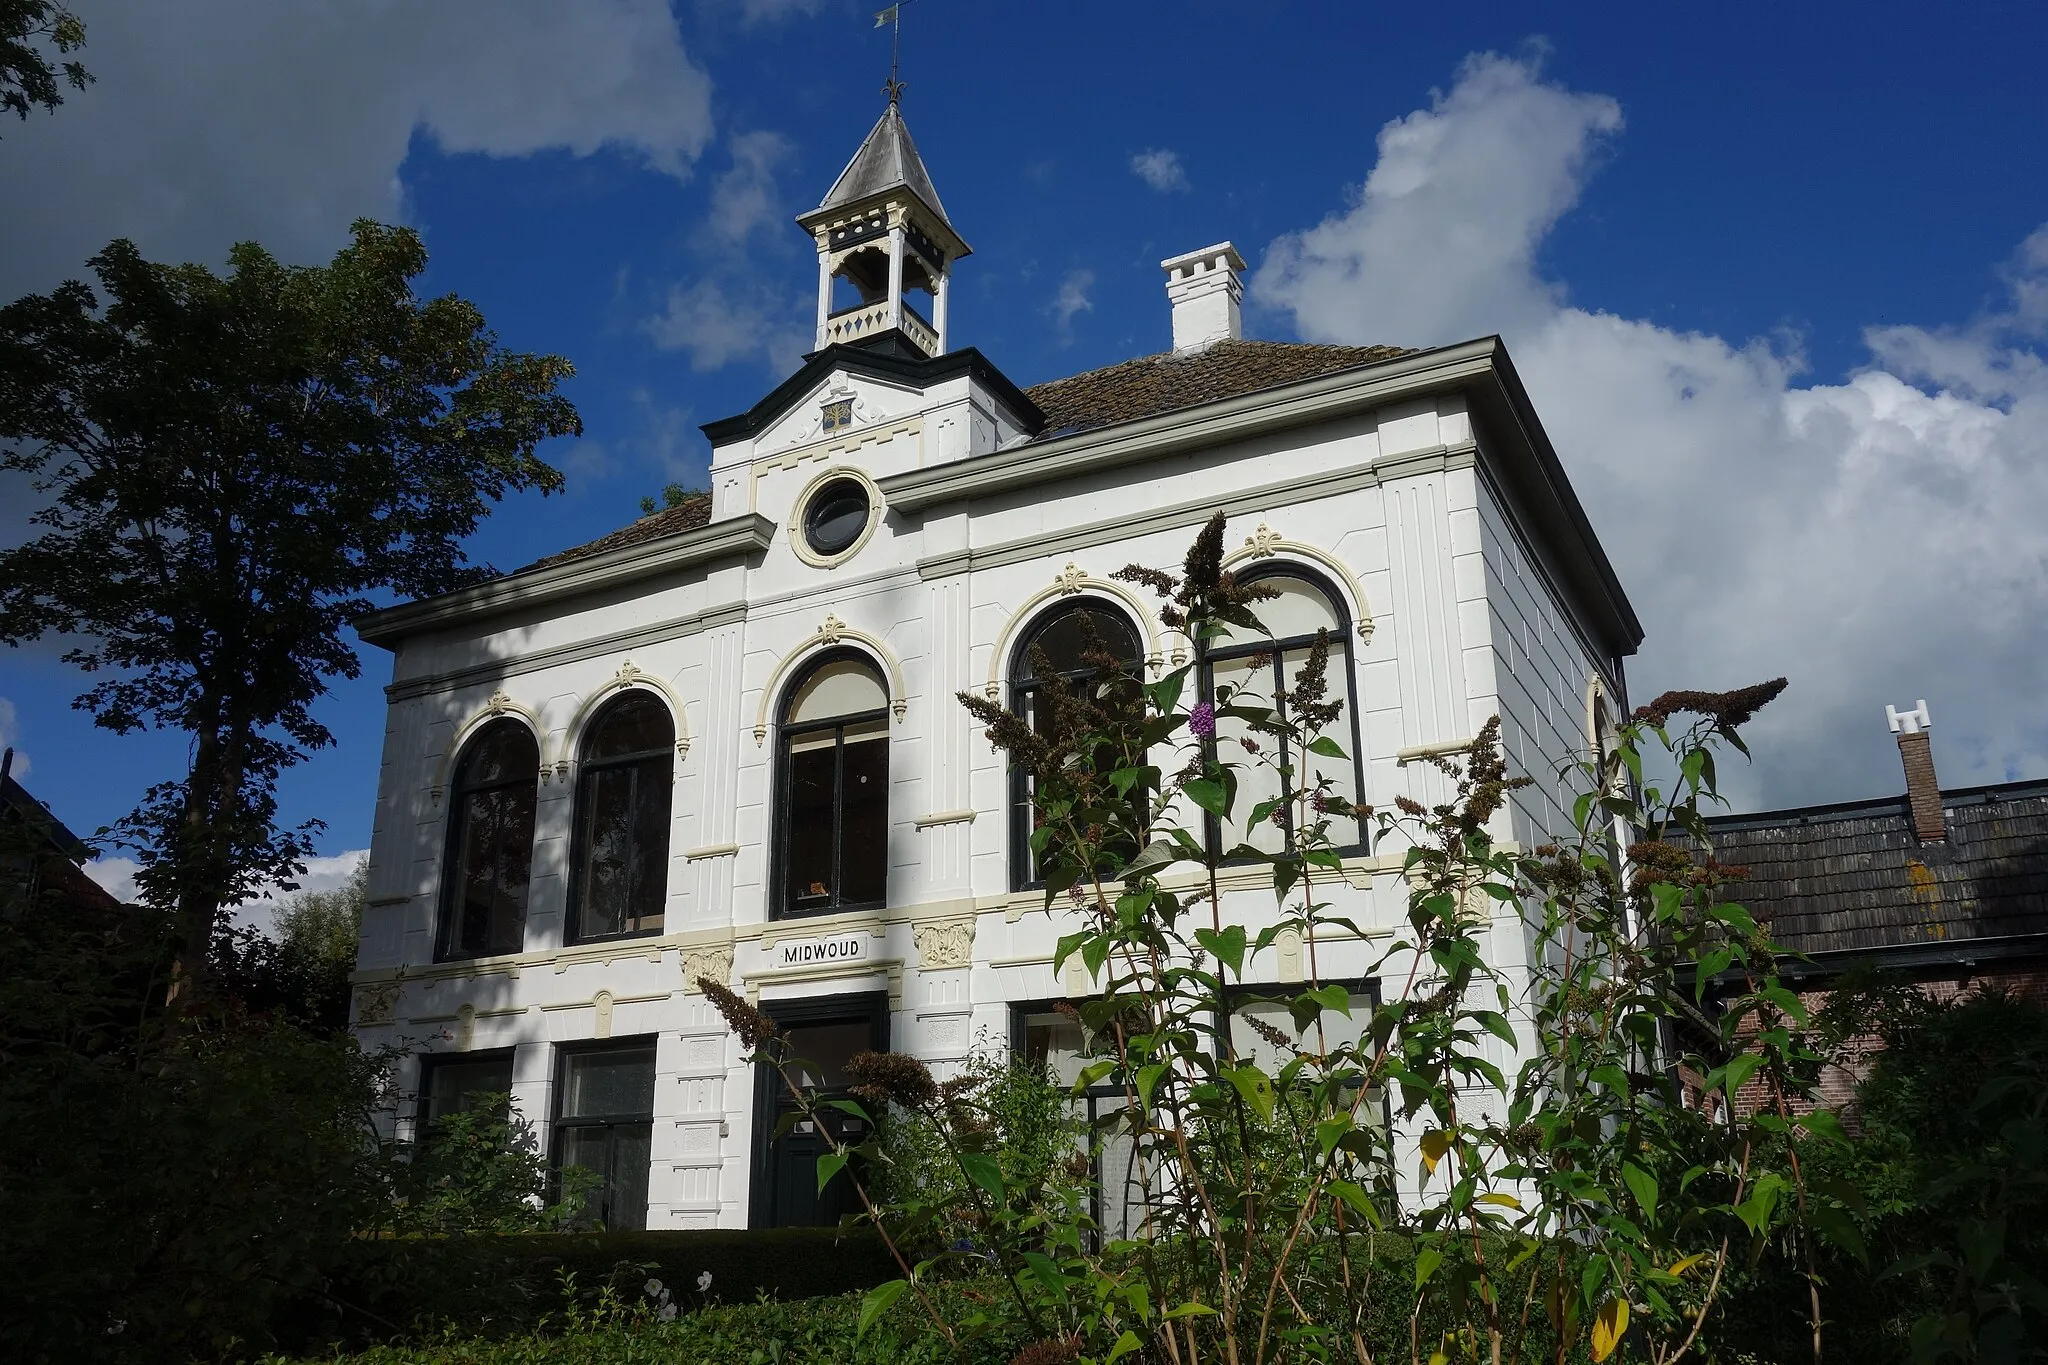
(887, 160)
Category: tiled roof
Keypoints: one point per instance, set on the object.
(689, 514)
(1155, 384)
(1856, 877)
(1145, 387)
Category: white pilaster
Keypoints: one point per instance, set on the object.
(896, 245)
(824, 295)
(939, 308)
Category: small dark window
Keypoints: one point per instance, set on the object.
(836, 516)
(458, 1084)
(605, 1124)
(834, 839)
(1263, 668)
(490, 843)
(622, 819)
(1056, 647)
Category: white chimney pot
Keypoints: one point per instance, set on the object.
(1205, 288)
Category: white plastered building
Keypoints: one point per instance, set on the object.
(724, 741)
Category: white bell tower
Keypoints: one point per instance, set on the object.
(882, 230)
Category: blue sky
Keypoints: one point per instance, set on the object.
(1771, 274)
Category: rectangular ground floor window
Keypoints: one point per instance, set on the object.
(604, 1124)
(457, 1082)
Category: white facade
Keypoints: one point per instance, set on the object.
(1418, 487)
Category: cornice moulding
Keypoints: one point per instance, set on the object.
(750, 533)
(1294, 404)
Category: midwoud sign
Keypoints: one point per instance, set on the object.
(819, 952)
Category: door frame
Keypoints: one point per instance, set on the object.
(849, 1007)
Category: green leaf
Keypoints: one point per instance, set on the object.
(1047, 1272)
(984, 1170)
(829, 1165)
(1326, 747)
(1643, 1186)
(1226, 946)
(1148, 1079)
(1155, 855)
(1125, 1344)
(1207, 794)
(1256, 1088)
(1426, 1262)
(877, 1303)
(1496, 1024)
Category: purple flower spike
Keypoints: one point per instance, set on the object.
(1202, 720)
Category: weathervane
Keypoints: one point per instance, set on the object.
(893, 18)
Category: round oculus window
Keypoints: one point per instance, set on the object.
(836, 516)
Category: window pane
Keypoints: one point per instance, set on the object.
(632, 1153)
(1342, 772)
(864, 814)
(1064, 641)
(825, 1049)
(625, 848)
(844, 687)
(1300, 609)
(634, 724)
(1057, 1043)
(614, 1083)
(808, 831)
(504, 752)
(1257, 780)
(494, 861)
(452, 1087)
(1331, 1032)
(586, 1149)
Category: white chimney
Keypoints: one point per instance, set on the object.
(1204, 288)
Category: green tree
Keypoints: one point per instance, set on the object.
(27, 76)
(317, 934)
(236, 464)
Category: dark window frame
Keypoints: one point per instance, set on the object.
(1209, 654)
(1022, 683)
(453, 880)
(587, 771)
(871, 1006)
(780, 901)
(430, 1062)
(559, 1126)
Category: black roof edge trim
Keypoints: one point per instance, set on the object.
(1848, 810)
(864, 360)
(1556, 487)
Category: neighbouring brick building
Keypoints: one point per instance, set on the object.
(1946, 888)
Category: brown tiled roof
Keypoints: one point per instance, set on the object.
(1145, 387)
(1831, 878)
(689, 514)
(1154, 384)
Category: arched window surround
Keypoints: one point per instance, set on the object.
(1029, 630)
(451, 942)
(1344, 631)
(844, 753)
(638, 786)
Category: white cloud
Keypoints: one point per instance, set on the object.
(1876, 540)
(116, 876)
(1160, 168)
(774, 11)
(10, 736)
(716, 327)
(1071, 300)
(214, 121)
(744, 198)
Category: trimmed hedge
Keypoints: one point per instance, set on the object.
(491, 1287)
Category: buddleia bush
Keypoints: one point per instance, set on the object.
(1560, 1169)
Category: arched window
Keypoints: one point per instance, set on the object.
(833, 845)
(490, 843)
(622, 817)
(1060, 640)
(1264, 668)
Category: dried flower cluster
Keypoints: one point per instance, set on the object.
(1726, 709)
(1060, 1351)
(749, 1025)
(891, 1077)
